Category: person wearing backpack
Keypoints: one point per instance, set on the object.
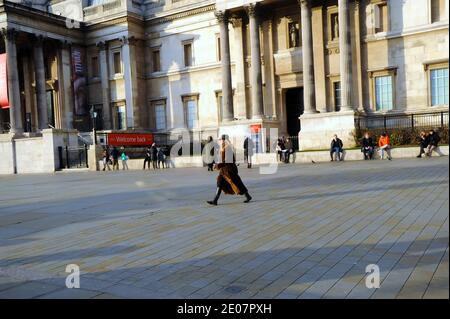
(124, 157)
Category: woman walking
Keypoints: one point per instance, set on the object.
(228, 180)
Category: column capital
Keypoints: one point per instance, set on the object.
(37, 39)
(102, 45)
(128, 40)
(303, 2)
(251, 9)
(9, 33)
(236, 22)
(65, 44)
(221, 16)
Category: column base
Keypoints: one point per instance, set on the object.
(347, 109)
(311, 112)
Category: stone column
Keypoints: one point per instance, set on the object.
(241, 100)
(227, 88)
(15, 107)
(130, 78)
(256, 72)
(309, 94)
(104, 75)
(39, 75)
(345, 55)
(65, 84)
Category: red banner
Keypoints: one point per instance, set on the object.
(116, 139)
(4, 102)
(255, 128)
(79, 81)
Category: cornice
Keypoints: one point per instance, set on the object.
(180, 15)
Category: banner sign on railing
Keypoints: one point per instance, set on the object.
(125, 139)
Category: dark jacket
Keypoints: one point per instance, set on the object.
(248, 147)
(434, 139)
(424, 141)
(366, 142)
(148, 154)
(153, 153)
(337, 143)
(115, 153)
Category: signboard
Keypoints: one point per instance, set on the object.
(255, 128)
(4, 102)
(79, 81)
(126, 139)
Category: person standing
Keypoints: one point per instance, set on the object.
(105, 159)
(384, 144)
(424, 140)
(147, 158)
(154, 156)
(248, 151)
(115, 158)
(367, 146)
(228, 180)
(336, 147)
(124, 158)
(434, 140)
(161, 158)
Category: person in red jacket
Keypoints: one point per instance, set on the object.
(384, 145)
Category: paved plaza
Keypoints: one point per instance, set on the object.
(309, 233)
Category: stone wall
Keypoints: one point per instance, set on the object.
(23, 155)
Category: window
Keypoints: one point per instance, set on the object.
(160, 116)
(95, 69)
(437, 10)
(337, 96)
(439, 86)
(156, 60)
(191, 111)
(219, 52)
(117, 62)
(381, 17)
(188, 54)
(121, 118)
(219, 99)
(383, 93)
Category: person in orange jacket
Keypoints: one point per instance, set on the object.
(384, 144)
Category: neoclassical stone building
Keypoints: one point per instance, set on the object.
(207, 66)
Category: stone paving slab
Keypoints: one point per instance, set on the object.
(309, 233)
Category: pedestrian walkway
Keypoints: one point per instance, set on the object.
(310, 232)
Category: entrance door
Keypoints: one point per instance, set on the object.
(294, 108)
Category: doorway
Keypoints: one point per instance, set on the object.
(294, 108)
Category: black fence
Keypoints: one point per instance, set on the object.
(73, 157)
(436, 120)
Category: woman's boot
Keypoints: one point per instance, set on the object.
(214, 202)
(248, 198)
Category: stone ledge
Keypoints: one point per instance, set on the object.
(300, 158)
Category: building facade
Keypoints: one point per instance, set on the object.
(305, 67)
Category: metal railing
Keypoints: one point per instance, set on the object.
(434, 120)
(73, 157)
